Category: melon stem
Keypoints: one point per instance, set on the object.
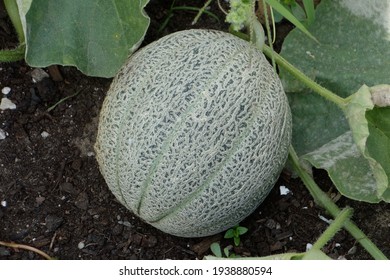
(13, 12)
(17, 53)
(325, 93)
(326, 202)
(333, 228)
(257, 37)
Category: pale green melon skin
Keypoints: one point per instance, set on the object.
(194, 132)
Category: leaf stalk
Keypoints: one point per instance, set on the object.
(324, 201)
(325, 93)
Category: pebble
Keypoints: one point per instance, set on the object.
(53, 222)
(3, 203)
(7, 104)
(284, 190)
(81, 245)
(3, 134)
(38, 75)
(82, 201)
(5, 90)
(39, 200)
(68, 187)
(125, 223)
(45, 134)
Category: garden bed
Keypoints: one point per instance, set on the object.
(53, 197)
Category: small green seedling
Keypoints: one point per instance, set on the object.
(235, 233)
(217, 251)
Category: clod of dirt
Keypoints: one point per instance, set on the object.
(53, 222)
(82, 201)
(68, 188)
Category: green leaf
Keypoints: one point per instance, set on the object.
(290, 17)
(96, 36)
(216, 249)
(229, 233)
(354, 50)
(226, 251)
(346, 166)
(309, 9)
(378, 141)
(358, 104)
(241, 230)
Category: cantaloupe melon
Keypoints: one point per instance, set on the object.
(194, 132)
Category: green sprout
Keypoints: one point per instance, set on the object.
(217, 251)
(235, 233)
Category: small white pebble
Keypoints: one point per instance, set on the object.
(90, 154)
(337, 245)
(44, 134)
(3, 134)
(7, 104)
(4, 203)
(5, 90)
(81, 245)
(308, 246)
(284, 190)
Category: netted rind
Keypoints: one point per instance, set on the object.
(194, 132)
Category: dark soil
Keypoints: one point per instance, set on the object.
(54, 198)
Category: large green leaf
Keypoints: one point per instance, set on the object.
(96, 36)
(354, 50)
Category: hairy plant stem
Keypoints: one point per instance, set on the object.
(13, 13)
(324, 201)
(333, 228)
(17, 53)
(268, 28)
(268, 51)
(327, 94)
(12, 55)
